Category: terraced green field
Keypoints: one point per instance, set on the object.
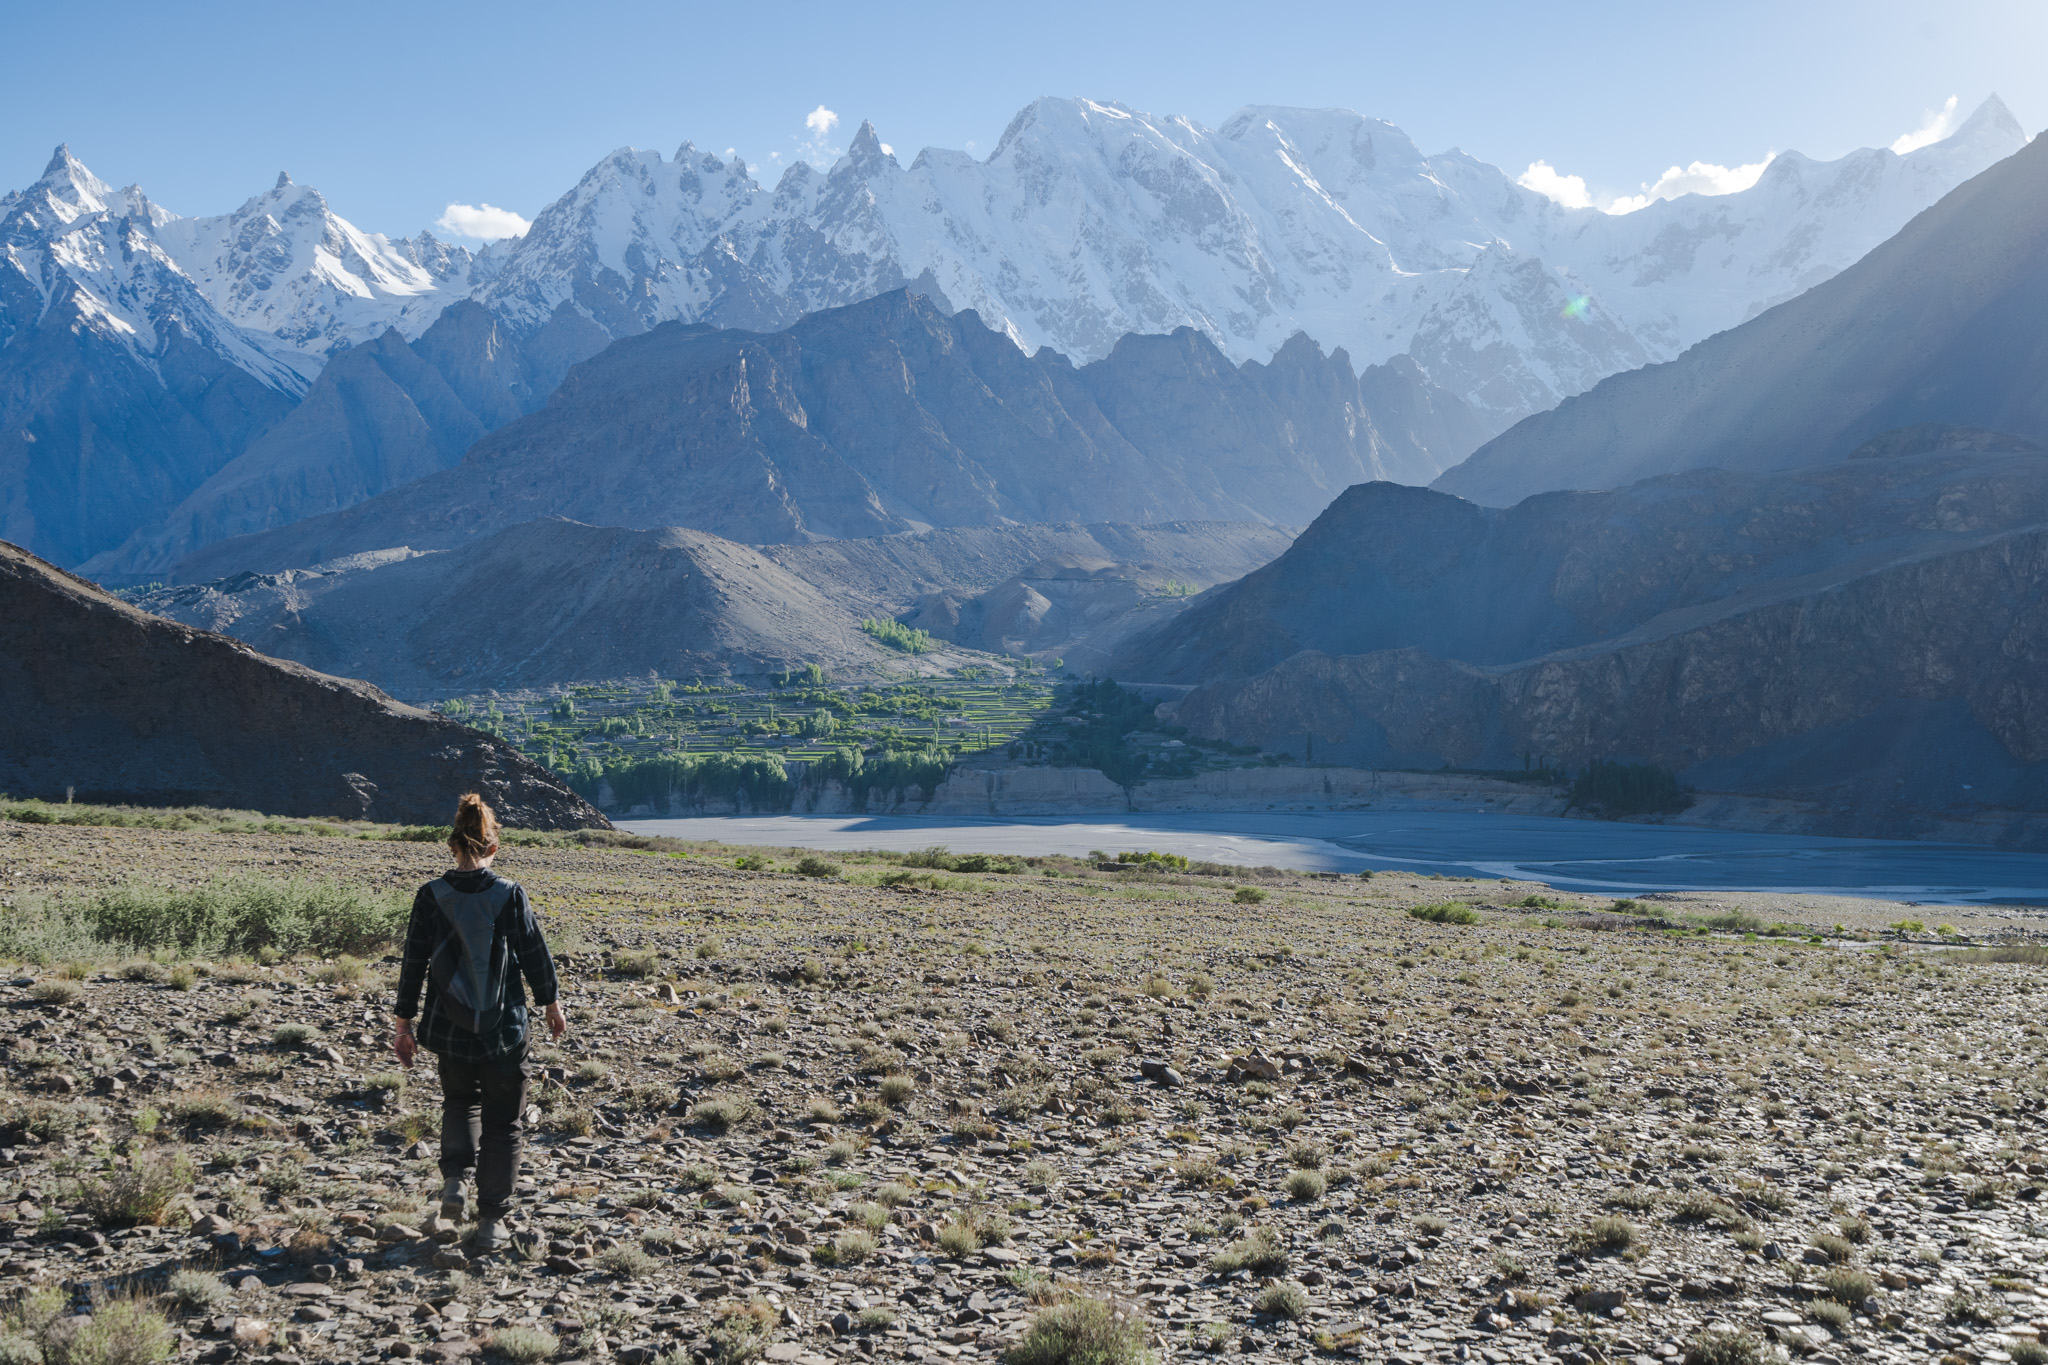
(651, 733)
(961, 715)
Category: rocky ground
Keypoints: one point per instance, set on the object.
(807, 1118)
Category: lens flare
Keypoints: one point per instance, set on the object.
(1578, 307)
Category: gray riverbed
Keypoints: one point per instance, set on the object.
(1595, 857)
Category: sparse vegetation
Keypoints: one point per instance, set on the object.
(1081, 1331)
(861, 1076)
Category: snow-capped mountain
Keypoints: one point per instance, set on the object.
(74, 243)
(1090, 221)
(182, 342)
(275, 287)
(287, 267)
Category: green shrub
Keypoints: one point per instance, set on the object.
(626, 1262)
(1258, 1251)
(49, 1121)
(1838, 1250)
(813, 866)
(1629, 789)
(1305, 1186)
(1248, 895)
(1725, 1348)
(119, 1332)
(851, 1247)
(26, 1320)
(1283, 1300)
(638, 964)
(1449, 912)
(141, 1192)
(720, 1114)
(239, 916)
(287, 1177)
(205, 1109)
(1081, 1331)
(899, 637)
(343, 971)
(1831, 1315)
(197, 1291)
(1170, 862)
(971, 1230)
(294, 1035)
(1611, 1233)
(522, 1345)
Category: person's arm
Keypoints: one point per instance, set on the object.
(412, 974)
(536, 963)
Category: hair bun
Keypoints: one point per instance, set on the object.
(475, 830)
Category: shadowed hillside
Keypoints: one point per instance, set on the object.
(113, 704)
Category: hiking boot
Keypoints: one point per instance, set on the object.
(453, 1201)
(490, 1236)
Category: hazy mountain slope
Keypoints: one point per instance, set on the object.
(600, 602)
(888, 575)
(1387, 567)
(95, 443)
(591, 602)
(379, 415)
(1839, 689)
(127, 374)
(117, 705)
(1067, 592)
(1947, 322)
(877, 418)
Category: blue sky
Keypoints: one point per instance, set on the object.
(397, 111)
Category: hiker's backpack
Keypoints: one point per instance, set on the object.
(469, 966)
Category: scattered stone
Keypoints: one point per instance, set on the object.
(1464, 1138)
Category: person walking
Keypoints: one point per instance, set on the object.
(471, 938)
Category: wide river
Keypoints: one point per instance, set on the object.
(1578, 855)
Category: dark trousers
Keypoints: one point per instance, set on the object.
(483, 1117)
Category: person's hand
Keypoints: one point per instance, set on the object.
(403, 1043)
(558, 1023)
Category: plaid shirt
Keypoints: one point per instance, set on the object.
(529, 949)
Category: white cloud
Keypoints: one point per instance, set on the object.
(887, 150)
(817, 151)
(1701, 177)
(1935, 125)
(1569, 190)
(483, 221)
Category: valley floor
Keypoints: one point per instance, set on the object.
(820, 1117)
